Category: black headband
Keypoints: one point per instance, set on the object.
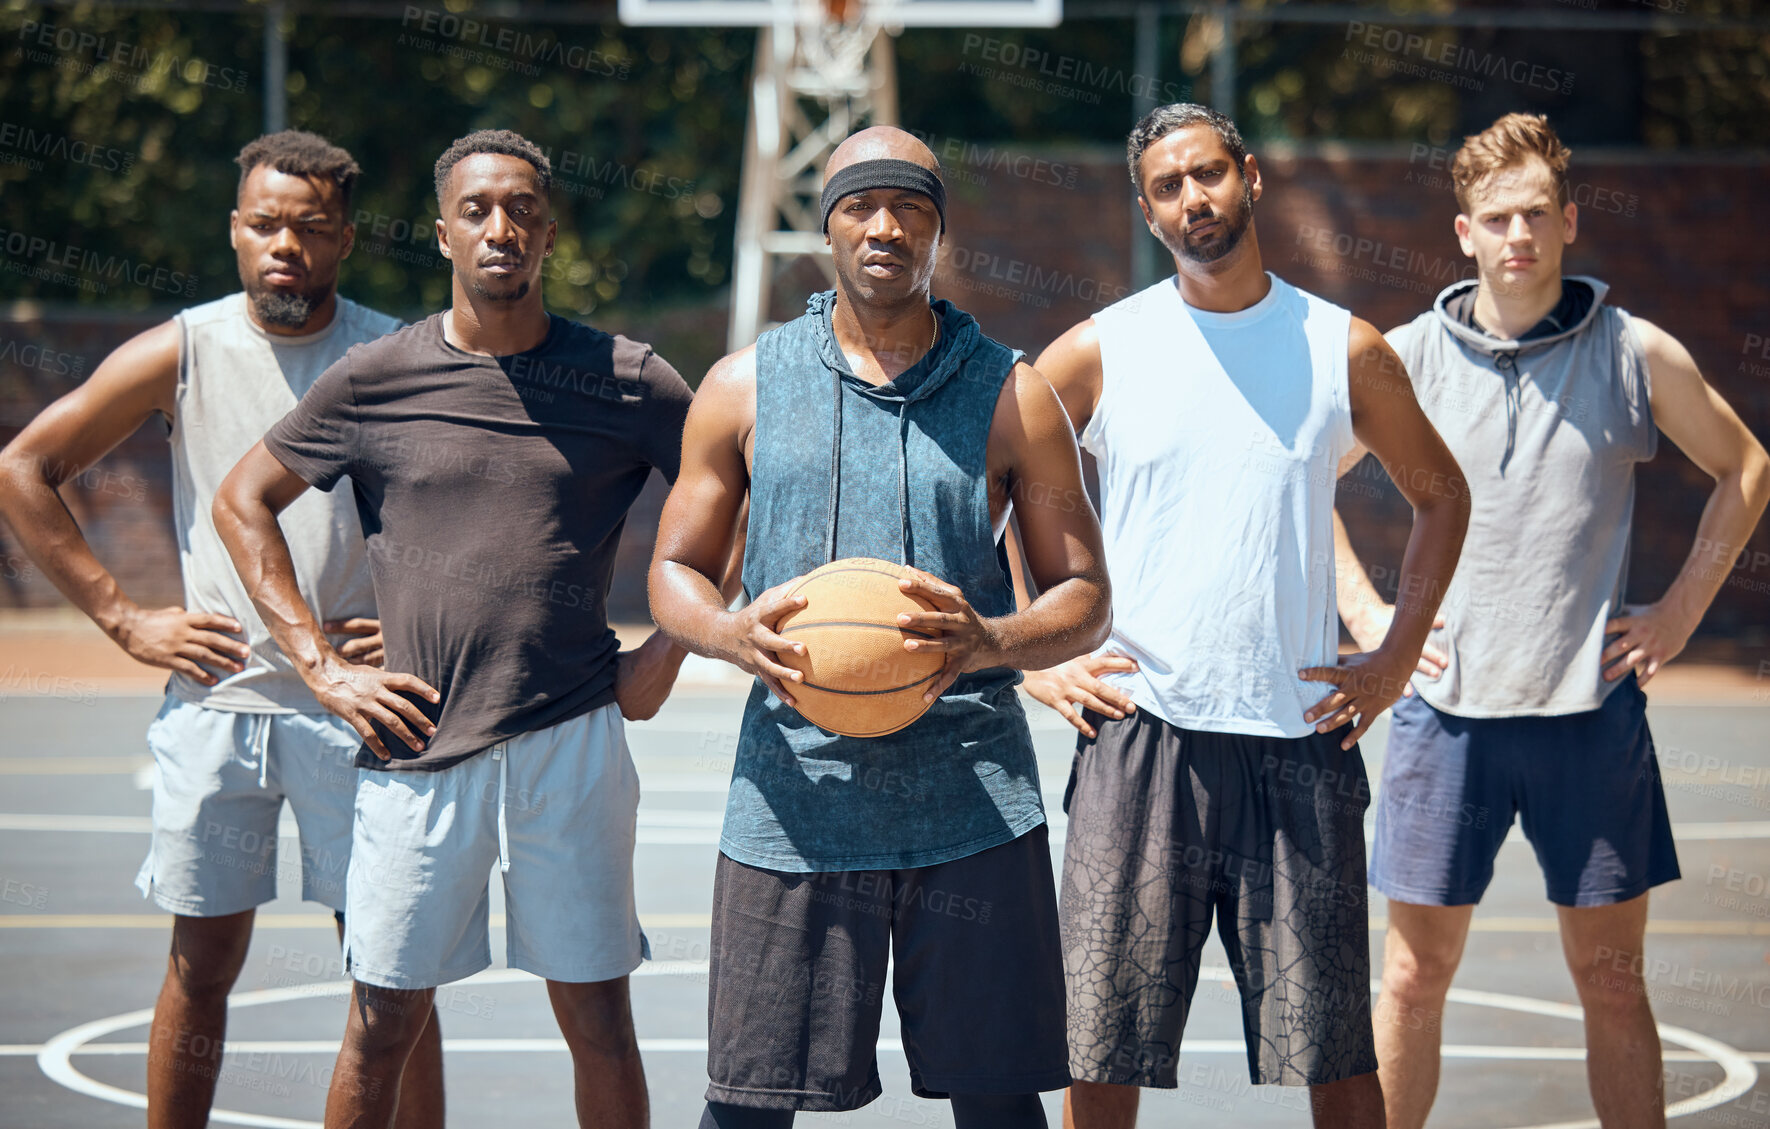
(886, 172)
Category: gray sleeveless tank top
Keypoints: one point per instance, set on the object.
(1547, 431)
(908, 479)
(235, 381)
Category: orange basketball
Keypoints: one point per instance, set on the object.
(859, 681)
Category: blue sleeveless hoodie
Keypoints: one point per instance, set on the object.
(904, 465)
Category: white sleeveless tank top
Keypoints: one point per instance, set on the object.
(1217, 438)
(235, 381)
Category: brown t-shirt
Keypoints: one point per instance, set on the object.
(492, 492)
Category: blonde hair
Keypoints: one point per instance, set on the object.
(1508, 143)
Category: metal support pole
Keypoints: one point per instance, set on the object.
(757, 212)
(1144, 268)
(785, 144)
(1223, 62)
(276, 67)
(882, 64)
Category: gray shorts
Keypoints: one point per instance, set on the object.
(799, 977)
(221, 781)
(555, 810)
(1168, 826)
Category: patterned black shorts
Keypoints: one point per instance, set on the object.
(1167, 826)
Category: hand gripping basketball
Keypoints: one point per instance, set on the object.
(869, 646)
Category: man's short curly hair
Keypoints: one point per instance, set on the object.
(1163, 120)
(504, 141)
(299, 153)
(1509, 142)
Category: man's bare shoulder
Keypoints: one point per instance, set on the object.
(143, 367)
(153, 351)
(731, 375)
(1072, 366)
(733, 372)
(1028, 406)
(1655, 342)
(727, 395)
(138, 379)
(1364, 339)
(1024, 384)
(1078, 345)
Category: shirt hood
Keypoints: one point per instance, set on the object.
(959, 337)
(1486, 343)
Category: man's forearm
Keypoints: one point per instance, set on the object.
(1068, 619)
(689, 609)
(255, 542)
(1354, 594)
(1433, 546)
(730, 585)
(52, 539)
(1733, 510)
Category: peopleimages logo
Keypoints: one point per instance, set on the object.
(31, 355)
(64, 46)
(23, 246)
(1055, 73)
(531, 49)
(1402, 47)
(61, 147)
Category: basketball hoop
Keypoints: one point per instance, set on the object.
(811, 55)
(833, 38)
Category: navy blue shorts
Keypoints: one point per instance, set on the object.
(1585, 788)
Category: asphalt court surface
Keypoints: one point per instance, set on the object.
(84, 954)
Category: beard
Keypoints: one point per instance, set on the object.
(510, 294)
(1209, 250)
(282, 308)
(505, 289)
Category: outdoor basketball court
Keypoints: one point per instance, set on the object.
(85, 954)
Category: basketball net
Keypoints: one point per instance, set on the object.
(834, 37)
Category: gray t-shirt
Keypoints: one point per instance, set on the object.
(492, 492)
(234, 381)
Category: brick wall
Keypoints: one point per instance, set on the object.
(1671, 235)
(1034, 248)
(124, 504)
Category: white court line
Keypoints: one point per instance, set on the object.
(686, 827)
(55, 1058)
(527, 1046)
(1740, 1075)
(657, 826)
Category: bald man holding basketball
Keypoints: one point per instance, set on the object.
(883, 424)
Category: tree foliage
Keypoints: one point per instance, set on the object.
(118, 125)
(644, 126)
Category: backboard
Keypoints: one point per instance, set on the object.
(888, 13)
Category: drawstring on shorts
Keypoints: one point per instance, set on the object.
(259, 741)
(503, 826)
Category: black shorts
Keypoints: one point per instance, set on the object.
(798, 979)
(1167, 826)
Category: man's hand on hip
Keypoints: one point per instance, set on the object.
(363, 694)
(365, 644)
(1076, 685)
(1365, 684)
(645, 676)
(183, 641)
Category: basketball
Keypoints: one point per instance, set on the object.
(859, 681)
